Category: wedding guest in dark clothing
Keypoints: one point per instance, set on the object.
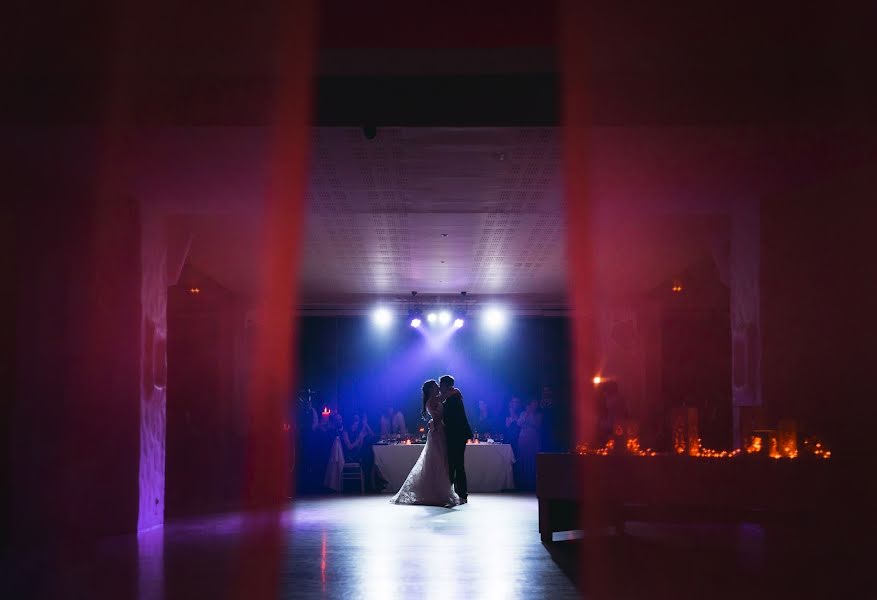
(511, 423)
(357, 441)
(530, 422)
(351, 439)
(512, 431)
(483, 422)
(550, 435)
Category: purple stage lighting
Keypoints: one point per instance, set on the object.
(415, 322)
(431, 317)
(458, 323)
(444, 317)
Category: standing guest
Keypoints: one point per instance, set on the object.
(511, 429)
(530, 423)
(511, 432)
(517, 406)
(386, 423)
(399, 422)
(483, 421)
(366, 428)
(550, 434)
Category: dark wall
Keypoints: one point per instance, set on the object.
(205, 435)
(74, 446)
(818, 308)
(349, 362)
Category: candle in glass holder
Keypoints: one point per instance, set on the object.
(788, 438)
(763, 442)
(693, 433)
(686, 436)
(679, 431)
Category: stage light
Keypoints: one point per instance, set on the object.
(431, 317)
(458, 323)
(415, 322)
(444, 317)
(382, 317)
(494, 318)
(598, 380)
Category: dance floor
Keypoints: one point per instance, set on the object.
(364, 547)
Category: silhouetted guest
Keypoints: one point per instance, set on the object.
(367, 430)
(549, 432)
(351, 439)
(336, 424)
(511, 423)
(483, 422)
(399, 422)
(530, 422)
(386, 422)
(361, 433)
(511, 431)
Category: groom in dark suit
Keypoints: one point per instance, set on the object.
(458, 432)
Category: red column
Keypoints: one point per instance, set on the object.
(573, 29)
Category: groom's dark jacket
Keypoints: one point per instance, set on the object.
(456, 423)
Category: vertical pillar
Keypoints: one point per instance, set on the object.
(574, 24)
(580, 253)
(153, 370)
(745, 314)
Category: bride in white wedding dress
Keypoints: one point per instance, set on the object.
(429, 480)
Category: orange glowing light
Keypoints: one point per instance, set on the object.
(676, 288)
(194, 291)
(774, 451)
(598, 380)
(754, 447)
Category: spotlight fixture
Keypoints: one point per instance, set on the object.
(458, 323)
(415, 322)
(431, 317)
(598, 380)
(494, 318)
(444, 317)
(382, 317)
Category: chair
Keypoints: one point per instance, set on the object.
(353, 472)
(335, 468)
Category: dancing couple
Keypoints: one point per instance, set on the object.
(439, 476)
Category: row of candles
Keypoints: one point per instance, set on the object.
(777, 445)
(755, 446)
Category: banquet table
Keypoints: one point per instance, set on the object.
(488, 466)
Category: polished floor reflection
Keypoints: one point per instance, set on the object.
(364, 547)
(337, 547)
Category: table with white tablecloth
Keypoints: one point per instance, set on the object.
(488, 466)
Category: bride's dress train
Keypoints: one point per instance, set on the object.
(429, 480)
